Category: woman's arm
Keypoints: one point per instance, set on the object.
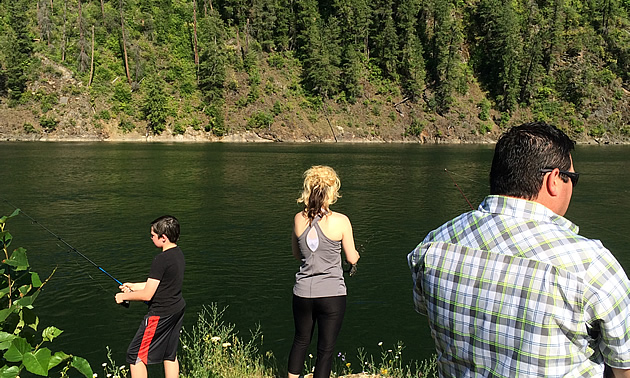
(347, 242)
(299, 225)
(295, 248)
(144, 294)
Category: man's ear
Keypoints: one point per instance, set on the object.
(552, 182)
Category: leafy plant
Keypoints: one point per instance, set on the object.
(213, 348)
(30, 129)
(484, 109)
(126, 125)
(19, 337)
(416, 127)
(179, 128)
(216, 122)
(260, 120)
(155, 105)
(485, 128)
(391, 364)
(48, 123)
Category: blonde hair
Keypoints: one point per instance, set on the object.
(321, 189)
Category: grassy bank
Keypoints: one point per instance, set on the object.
(212, 348)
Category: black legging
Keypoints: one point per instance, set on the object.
(328, 313)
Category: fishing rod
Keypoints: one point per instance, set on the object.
(125, 303)
(460, 189)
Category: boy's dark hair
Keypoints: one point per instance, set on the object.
(166, 225)
(522, 152)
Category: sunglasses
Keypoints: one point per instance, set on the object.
(573, 176)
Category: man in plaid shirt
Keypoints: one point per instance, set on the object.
(511, 289)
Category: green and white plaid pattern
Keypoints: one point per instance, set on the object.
(512, 290)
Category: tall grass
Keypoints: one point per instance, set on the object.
(212, 348)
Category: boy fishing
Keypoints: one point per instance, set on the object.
(158, 335)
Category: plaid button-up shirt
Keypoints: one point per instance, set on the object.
(512, 289)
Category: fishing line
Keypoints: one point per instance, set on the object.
(582, 221)
(126, 303)
(352, 268)
(460, 189)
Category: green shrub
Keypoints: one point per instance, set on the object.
(179, 128)
(485, 128)
(126, 126)
(214, 347)
(195, 123)
(47, 101)
(49, 124)
(216, 123)
(484, 109)
(30, 129)
(22, 343)
(275, 60)
(597, 131)
(122, 97)
(415, 128)
(260, 120)
(104, 115)
(277, 108)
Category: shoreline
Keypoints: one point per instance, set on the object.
(249, 137)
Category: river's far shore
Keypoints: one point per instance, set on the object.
(252, 137)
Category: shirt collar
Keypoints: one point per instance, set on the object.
(518, 207)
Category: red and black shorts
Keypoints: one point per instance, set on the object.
(156, 340)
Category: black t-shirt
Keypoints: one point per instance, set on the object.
(168, 267)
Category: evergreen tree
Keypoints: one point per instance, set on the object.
(319, 49)
(499, 50)
(155, 105)
(384, 42)
(19, 49)
(354, 23)
(446, 43)
(412, 65)
(284, 31)
(212, 61)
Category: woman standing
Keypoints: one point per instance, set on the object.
(319, 293)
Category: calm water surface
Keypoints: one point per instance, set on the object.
(235, 203)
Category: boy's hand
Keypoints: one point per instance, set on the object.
(126, 287)
(119, 299)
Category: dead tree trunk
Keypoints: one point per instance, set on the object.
(195, 34)
(124, 42)
(63, 37)
(92, 60)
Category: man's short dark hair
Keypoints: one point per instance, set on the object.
(166, 225)
(522, 152)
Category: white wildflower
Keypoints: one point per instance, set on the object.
(225, 345)
(380, 343)
(215, 339)
(104, 364)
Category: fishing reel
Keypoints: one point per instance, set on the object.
(351, 269)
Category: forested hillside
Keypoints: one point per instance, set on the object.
(426, 70)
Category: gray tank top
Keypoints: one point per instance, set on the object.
(320, 274)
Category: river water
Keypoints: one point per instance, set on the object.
(235, 203)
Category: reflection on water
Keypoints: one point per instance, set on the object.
(235, 203)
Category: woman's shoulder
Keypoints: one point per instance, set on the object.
(338, 217)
